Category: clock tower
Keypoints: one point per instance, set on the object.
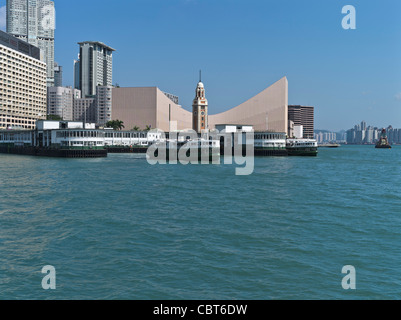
(199, 109)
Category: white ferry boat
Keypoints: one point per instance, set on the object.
(270, 144)
(302, 147)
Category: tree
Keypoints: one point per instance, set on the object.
(136, 128)
(54, 117)
(115, 124)
(148, 128)
(120, 124)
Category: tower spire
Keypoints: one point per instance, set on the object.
(200, 75)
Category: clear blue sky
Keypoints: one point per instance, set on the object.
(243, 47)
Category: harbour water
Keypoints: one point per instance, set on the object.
(119, 228)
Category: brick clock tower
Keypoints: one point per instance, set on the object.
(199, 109)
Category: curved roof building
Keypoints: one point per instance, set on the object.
(267, 110)
(149, 106)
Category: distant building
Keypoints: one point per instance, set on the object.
(84, 109)
(77, 74)
(95, 67)
(60, 101)
(34, 22)
(363, 134)
(104, 104)
(302, 116)
(329, 137)
(22, 84)
(298, 132)
(67, 103)
(58, 75)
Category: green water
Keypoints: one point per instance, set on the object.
(119, 228)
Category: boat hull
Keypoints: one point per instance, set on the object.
(302, 152)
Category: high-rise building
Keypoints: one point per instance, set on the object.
(67, 103)
(103, 104)
(22, 84)
(60, 101)
(302, 116)
(34, 22)
(84, 109)
(58, 75)
(77, 67)
(95, 67)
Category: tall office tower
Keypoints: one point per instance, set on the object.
(95, 66)
(22, 84)
(60, 101)
(58, 75)
(303, 116)
(34, 22)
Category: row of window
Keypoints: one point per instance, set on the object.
(125, 135)
(80, 134)
(270, 136)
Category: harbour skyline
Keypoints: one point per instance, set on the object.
(145, 179)
(338, 71)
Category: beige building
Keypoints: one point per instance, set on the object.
(267, 111)
(149, 106)
(22, 84)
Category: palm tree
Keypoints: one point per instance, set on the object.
(136, 128)
(115, 124)
(148, 128)
(120, 124)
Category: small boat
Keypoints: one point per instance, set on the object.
(329, 145)
(383, 141)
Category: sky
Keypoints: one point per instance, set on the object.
(244, 46)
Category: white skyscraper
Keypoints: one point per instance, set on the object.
(34, 22)
(95, 67)
(60, 101)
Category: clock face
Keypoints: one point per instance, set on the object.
(203, 113)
